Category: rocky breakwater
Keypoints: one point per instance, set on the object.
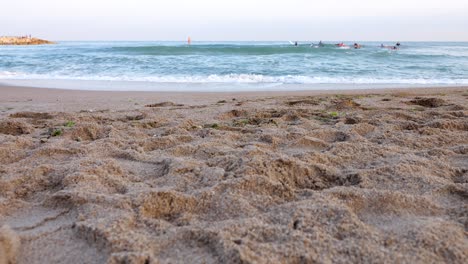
(23, 41)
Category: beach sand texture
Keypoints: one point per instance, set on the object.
(96, 177)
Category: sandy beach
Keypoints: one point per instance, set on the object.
(362, 176)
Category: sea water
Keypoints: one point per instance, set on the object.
(219, 66)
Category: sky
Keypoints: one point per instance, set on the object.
(230, 20)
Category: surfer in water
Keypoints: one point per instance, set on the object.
(295, 43)
(357, 46)
(319, 45)
(389, 47)
(341, 45)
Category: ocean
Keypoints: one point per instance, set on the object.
(231, 66)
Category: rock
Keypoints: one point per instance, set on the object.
(23, 41)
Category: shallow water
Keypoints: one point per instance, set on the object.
(234, 65)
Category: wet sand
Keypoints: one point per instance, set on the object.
(376, 176)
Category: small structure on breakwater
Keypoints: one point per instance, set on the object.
(23, 40)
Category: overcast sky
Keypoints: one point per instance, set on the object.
(402, 20)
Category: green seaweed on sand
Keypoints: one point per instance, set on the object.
(214, 126)
(69, 124)
(56, 132)
(241, 122)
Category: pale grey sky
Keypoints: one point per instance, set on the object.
(403, 20)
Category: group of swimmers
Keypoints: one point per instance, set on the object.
(342, 45)
(355, 45)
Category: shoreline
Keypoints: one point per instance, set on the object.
(216, 87)
(9, 88)
(68, 99)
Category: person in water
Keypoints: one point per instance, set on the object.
(389, 47)
(357, 46)
(295, 43)
(320, 44)
(398, 44)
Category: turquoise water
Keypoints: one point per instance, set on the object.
(243, 65)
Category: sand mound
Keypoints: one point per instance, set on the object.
(33, 115)
(88, 132)
(234, 113)
(167, 205)
(311, 101)
(311, 142)
(163, 104)
(428, 102)
(341, 104)
(9, 246)
(15, 128)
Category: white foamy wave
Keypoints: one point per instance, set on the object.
(235, 78)
(8, 74)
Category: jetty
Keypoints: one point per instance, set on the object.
(23, 40)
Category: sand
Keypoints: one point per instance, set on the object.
(294, 177)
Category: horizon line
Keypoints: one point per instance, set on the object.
(284, 40)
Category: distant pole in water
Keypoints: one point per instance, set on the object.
(189, 41)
